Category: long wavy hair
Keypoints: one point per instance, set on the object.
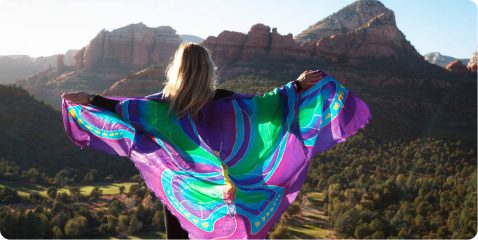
(190, 80)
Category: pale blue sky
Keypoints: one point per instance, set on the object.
(48, 27)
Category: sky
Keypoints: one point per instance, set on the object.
(47, 27)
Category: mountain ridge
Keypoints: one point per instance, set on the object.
(345, 20)
(374, 59)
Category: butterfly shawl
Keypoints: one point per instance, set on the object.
(233, 171)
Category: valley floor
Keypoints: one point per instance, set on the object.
(312, 223)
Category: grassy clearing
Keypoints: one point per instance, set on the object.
(312, 222)
(24, 189)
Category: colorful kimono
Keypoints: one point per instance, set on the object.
(233, 171)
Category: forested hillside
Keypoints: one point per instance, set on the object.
(35, 148)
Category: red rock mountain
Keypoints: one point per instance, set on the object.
(346, 20)
(361, 36)
(472, 63)
(379, 37)
(142, 83)
(441, 60)
(259, 43)
(362, 30)
(133, 47)
(456, 66)
(109, 57)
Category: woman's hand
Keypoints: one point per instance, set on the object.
(77, 97)
(309, 78)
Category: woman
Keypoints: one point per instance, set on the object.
(220, 162)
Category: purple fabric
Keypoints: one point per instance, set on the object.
(233, 171)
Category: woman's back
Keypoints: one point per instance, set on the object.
(235, 169)
(230, 166)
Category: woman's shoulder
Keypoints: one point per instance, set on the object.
(220, 93)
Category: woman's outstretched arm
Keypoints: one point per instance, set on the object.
(85, 98)
(103, 102)
(309, 78)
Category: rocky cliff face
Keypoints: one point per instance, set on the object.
(346, 20)
(378, 38)
(69, 56)
(132, 47)
(456, 66)
(259, 43)
(364, 40)
(238, 53)
(472, 63)
(363, 30)
(440, 59)
(147, 81)
(109, 57)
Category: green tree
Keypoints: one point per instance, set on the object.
(158, 220)
(134, 225)
(280, 230)
(116, 207)
(121, 189)
(136, 178)
(346, 222)
(90, 176)
(51, 192)
(56, 232)
(123, 224)
(62, 177)
(62, 197)
(32, 175)
(75, 192)
(361, 231)
(95, 193)
(110, 226)
(378, 235)
(8, 195)
(294, 209)
(35, 197)
(76, 227)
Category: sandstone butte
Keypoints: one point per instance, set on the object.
(472, 63)
(347, 19)
(456, 66)
(259, 43)
(142, 83)
(366, 29)
(362, 30)
(134, 46)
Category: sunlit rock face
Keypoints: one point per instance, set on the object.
(133, 47)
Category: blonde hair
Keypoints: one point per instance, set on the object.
(191, 79)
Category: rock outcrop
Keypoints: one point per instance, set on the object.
(360, 31)
(131, 47)
(147, 81)
(379, 37)
(260, 43)
(440, 59)
(69, 56)
(108, 57)
(344, 21)
(364, 39)
(472, 63)
(456, 66)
